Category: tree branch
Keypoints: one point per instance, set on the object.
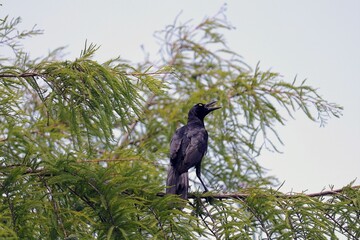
(35, 74)
(125, 138)
(21, 75)
(246, 195)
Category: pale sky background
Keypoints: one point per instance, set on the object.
(317, 40)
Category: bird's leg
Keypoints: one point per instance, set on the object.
(198, 174)
(206, 190)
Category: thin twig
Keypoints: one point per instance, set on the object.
(108, 160)
(146, 73)
(55, 206)
(204, 220)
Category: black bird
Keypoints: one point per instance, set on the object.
(187, 148)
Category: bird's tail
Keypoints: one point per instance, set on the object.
(177, 183)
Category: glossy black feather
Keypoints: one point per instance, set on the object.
(187, 148)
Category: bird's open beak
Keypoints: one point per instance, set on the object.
(210, 107)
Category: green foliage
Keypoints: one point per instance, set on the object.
(84, 145)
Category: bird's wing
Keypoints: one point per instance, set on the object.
(196, 148)
(175, 144)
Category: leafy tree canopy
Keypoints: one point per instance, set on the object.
(84, 145)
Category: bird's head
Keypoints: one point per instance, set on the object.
(200, 110)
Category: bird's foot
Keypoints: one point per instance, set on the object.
(209, 199)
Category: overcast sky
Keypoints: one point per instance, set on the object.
(317, 40)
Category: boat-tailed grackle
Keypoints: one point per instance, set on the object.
(187, 148)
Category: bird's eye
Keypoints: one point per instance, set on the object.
(200, 104)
